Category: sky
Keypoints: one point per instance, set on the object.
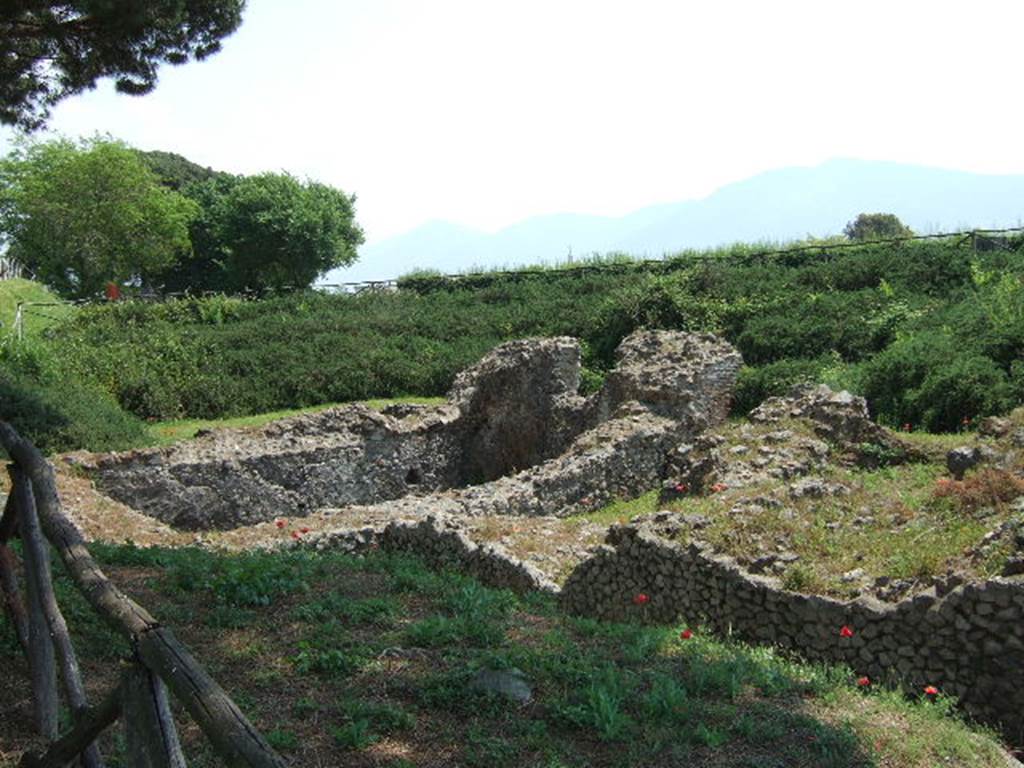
(484, 113)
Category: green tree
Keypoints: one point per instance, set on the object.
(265, 231)
(81, 215)
(876, 226)
(50, 50)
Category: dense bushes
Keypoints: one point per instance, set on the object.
(930, 331)
(933, 381)
(60, 414)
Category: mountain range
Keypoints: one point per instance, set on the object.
(775, 206)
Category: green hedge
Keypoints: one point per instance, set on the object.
(896, 321)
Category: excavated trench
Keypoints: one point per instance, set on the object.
(513, 438)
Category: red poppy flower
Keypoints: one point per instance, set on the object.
(682, 487)
(845, 631)
(296, 535)
(641, 598)
(280, 523)
(931, 690)
(686, 634)
(718, 487)
(303, 530)
(864, 682)
(908, 427)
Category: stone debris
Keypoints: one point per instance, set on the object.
(510, 683)
(514, 437)
(839, 418)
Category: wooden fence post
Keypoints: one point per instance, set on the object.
(232, 736)
(151, 738)
(41, 659)
(39, 576)
(13, 606)
(84, 733)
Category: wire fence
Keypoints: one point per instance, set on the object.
(980, 240)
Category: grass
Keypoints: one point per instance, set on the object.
(37, 319)
(167, 432)
(368, 662)
(905, 522)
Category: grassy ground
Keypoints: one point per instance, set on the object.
(36, 318)
(908, 522)
(166, 432)
(368, 662)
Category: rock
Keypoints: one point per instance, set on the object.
(510, 683)
(692, 467)
(857, 574)
(682, 376)
(816, 488)
(763, 562)
(1014, 566)
(994, 426)
(961, 459)
(839, 418)
(513, 438)
(696, 521)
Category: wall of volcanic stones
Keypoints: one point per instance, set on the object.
(514, 437)
(968, 642)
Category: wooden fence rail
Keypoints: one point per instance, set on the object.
(159, 663)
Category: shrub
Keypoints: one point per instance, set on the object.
(61, 414)
(985, 488)
(874, 311)
(930, 380)
(754, 385)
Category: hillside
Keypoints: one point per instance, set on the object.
(36, 318)
(775, 206)
(930, 331)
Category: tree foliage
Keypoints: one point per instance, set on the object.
(81, 215)
(265, 231)
(876, 226)
(51, 49)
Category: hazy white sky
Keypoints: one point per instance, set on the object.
(484, 112)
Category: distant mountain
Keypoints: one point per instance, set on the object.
(780, 205)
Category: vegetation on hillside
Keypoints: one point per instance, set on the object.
(931, 331)
(370, 661)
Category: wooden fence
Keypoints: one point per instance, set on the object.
(159, 663)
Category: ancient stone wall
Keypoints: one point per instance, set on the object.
(230, 477)
(968, 642)
(442, 543)
(514, 438)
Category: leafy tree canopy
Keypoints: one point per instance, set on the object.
(81, 215)
(876, 226)
(50, 49)
(265, 231)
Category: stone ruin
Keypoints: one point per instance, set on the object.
(514, 437)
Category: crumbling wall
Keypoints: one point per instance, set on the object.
(968, 642)
(513, 438)
(517, 407)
